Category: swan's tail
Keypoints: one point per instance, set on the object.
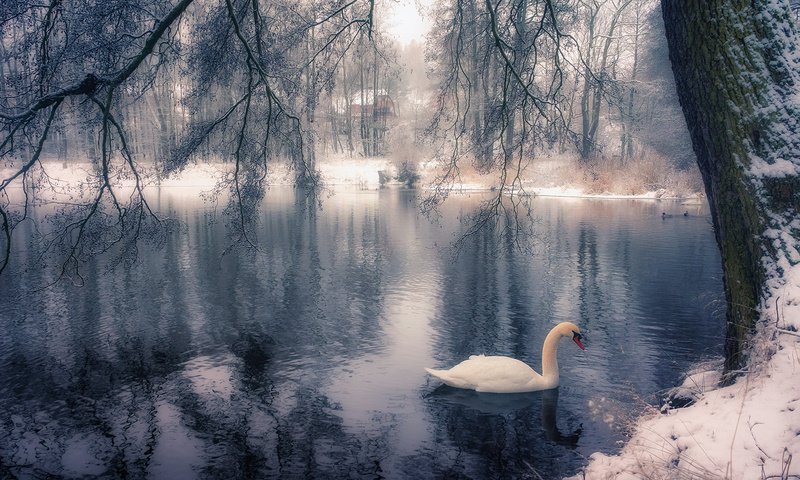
(448, 379)
(436, 373)
(442, 375)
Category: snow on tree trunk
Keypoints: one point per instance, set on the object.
(737, 71)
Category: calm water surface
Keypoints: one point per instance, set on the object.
(306, 359)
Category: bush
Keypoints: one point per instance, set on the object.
(646, 173)
(408, 174)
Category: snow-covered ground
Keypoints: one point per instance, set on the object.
(362, 172)
(748, 430)
(658, 194)
(565, 176)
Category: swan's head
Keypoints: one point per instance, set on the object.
(570, 330)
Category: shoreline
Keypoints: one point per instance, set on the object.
(355, 174)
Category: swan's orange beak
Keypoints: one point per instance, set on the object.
(576, 337)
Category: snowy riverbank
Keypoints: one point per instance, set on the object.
(748, 430)
(340, 171)
(367, 174)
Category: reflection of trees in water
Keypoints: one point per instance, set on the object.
(606, 273)
(637, 289)
(364, 267)
(468, 322)
(500, 436)
(88, 371)
(304, 284)
(519, 282)
(245, 438)
(488, 309)
(109, 366)
(590, 294)
(314, 444)
(115, 354)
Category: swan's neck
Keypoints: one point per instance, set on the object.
(549, 354)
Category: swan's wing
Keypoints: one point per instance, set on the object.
(491, 374)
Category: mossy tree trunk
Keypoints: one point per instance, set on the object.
(737, 74)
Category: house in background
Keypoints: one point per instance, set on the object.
(380, 106)
(363, 121)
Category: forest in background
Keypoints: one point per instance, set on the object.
(583, 88)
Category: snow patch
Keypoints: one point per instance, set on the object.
(778, 169)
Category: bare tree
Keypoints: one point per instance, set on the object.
(628, 114)
(501, 70)
(597, 66)
(98, 58)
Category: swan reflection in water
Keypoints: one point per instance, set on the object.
(503, 404)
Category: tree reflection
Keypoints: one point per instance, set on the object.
(159, 360)
(259, 363)
(469, 317)
(504, 435)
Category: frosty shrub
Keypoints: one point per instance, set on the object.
(648, 172)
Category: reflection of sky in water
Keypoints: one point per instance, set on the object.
(387, 382)
(210, 377)
(178, 453)
(306, 359)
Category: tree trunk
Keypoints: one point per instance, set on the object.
(310, 151)
(362, 116)
(626, 147)
(474, 75)
(594, 81)
(348, 108)
(738, 93)
(519, 44)
(587, 144)
(489, 90)
(375, 141)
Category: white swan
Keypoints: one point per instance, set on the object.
(509, 375)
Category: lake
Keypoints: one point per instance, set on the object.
(305, 359)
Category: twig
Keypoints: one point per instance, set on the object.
(788, 332)
(533, 470)
(752, 434)
(786, 458)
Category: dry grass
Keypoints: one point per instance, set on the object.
(635, 176)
